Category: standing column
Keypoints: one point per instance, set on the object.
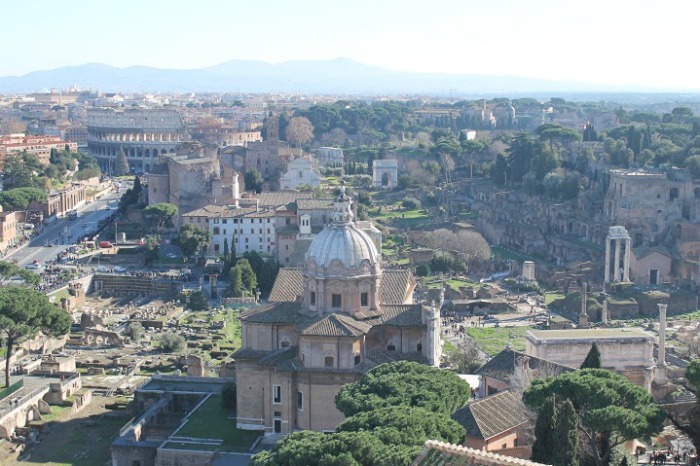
(660, 376)
(616, 270)
(607, 261)
(628, 253)
(661, 360)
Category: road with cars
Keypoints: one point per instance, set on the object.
(56, 237)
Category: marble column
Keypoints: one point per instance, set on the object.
(616, 270)
(607, 260)
(604, 316)
(628, 255)
(662, 335)
(660, 376)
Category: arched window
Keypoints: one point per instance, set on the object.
(391, 347)
(358, 359)
(284, 344)
(419, 347)
(328, 361)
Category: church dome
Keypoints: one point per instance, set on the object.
(342, 243)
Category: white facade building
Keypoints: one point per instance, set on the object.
(300, 172)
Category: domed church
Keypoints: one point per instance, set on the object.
(324, 326)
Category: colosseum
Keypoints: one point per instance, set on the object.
(143, 134)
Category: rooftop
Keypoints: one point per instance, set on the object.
(492, 416)
(588, 334)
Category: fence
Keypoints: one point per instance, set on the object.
(5, 392)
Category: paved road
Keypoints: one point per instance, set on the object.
(64, 232)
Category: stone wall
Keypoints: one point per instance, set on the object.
(175, 457)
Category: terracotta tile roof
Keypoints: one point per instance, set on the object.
(503, 365)
(274, 313)
(395, 287)
(642, 252)
(493, 415)
(400, 315)
(333, 325)
(312, 204)
(247, 353)
(279, 198)
(440, 453)
(280, 356)
(289, 285)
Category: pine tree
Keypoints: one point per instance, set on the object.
(544, 432)
(565, 436)
(592, 360)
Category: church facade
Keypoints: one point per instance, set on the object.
(325, 325)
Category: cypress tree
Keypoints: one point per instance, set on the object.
(225, 250)
(565, 436)
(122, 165)
(592, 360)
(544, 432)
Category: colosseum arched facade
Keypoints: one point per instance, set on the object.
(143, 135)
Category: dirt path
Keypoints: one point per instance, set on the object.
(81, 439)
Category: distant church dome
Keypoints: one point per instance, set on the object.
(341, 245)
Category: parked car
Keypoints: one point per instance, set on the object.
(106, 244)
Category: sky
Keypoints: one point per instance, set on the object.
(635, 42)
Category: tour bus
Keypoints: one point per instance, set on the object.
(72, 215)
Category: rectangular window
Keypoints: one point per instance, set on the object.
(364, 299)
(300, 401)
(224, 221)
(312, 298)
(277, 394)
(336, 300)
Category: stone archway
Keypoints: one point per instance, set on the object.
(32, 414)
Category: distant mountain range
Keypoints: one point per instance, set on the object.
(337, 76)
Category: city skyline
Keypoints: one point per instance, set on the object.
(623, 42)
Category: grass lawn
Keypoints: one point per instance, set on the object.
(212, 421)
(688, 315)
(508, 254)
(549, 298)
(87, 443)
(57, 412)
(403, 214)
(457, 283)
(493, 340)
(190, 446)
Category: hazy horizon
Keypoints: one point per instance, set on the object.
(640, 43)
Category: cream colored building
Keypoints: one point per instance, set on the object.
(300, 173)
(627, 351)
(324, 326)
